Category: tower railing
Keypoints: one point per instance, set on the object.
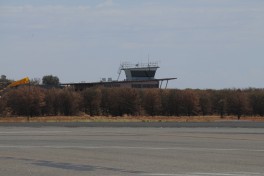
(127, 65)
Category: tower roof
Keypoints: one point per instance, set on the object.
(127, 65)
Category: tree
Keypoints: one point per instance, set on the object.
(190, 102)
(114, 102)
(50, 80)
(26, 101)
(62, 102)
(123, 101)
(165, 110)
(205, 102)
(52, 100)
(69, 102)
(257, 102)
(171, 102)
(128, 100)
(91, 99)
(2, 106)
(37, 100)
(237, 103)
(152, 102)
(218, 100)
(105, 101)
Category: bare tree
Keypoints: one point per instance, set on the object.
(257, 102)
(26, 101)
(237, 103)
(152, 102)
(91, 99)
(205, 102)
(190, 102)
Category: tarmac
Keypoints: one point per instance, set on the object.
(218, 124)
(43, 150)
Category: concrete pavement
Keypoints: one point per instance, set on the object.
(45, 151)
(219, 124)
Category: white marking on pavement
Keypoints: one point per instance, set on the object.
(206, 174)
(32, 132)
(128, 147)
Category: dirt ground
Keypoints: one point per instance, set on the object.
(87, 118)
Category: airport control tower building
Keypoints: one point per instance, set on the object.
(140, 71)
(140, 75)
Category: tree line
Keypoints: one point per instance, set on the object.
(37, 101)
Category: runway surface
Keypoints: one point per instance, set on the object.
(219, 124)
(82, 151)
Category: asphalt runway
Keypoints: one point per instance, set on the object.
(82, 151)
(219, 124)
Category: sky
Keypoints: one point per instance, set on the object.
(206, 44)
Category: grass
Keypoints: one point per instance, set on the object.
(86, 118)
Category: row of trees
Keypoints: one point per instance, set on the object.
(37, 101)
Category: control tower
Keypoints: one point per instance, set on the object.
(140, 71)
(140, 75)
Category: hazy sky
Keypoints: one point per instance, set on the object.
(204, 43)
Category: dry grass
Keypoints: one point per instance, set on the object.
(127, 119)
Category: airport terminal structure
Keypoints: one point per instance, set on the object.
(140, 75)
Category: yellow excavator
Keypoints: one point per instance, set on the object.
(14, 84)
(19, 82)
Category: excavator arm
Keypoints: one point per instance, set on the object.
(19, 82)
(14, 84)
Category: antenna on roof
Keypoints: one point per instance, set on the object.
(148, 59)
